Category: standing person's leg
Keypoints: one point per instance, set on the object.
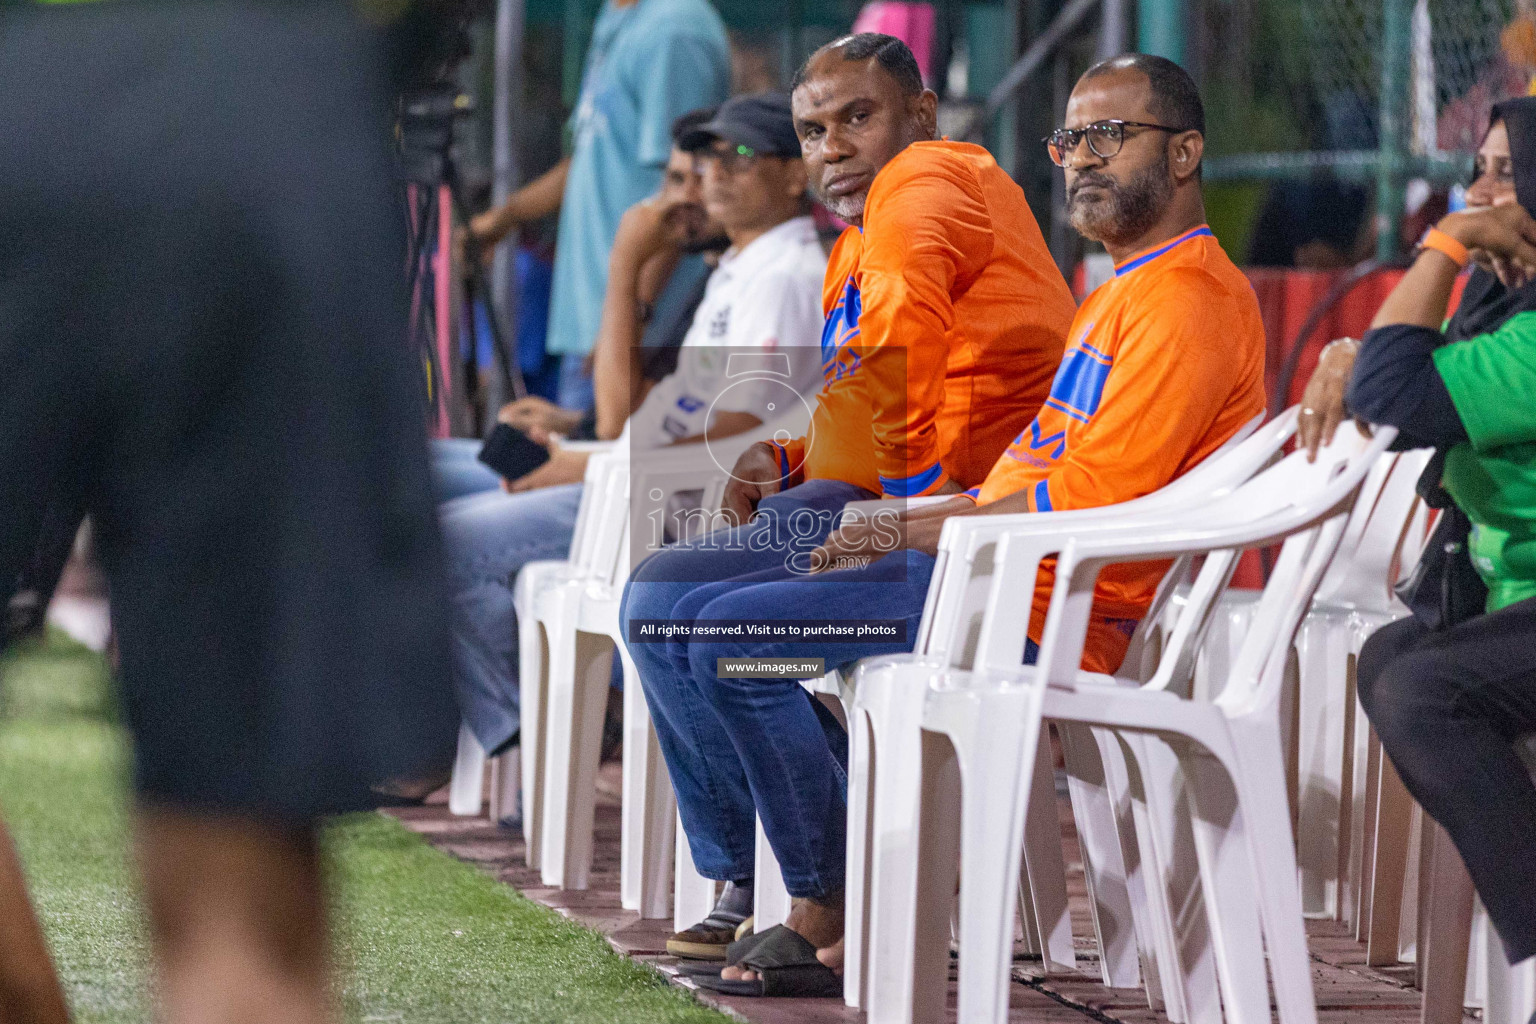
(1449, 707)
(234, 347)
(487, 539)
(29, 988)
(236, 911)
(46, 404)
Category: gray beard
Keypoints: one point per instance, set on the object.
(848, 208)
(1130, 209)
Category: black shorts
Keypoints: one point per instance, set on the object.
(202, 338)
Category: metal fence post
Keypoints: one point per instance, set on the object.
(1160, 28)
(1396, 51)
(1114, 29)
(506, 106)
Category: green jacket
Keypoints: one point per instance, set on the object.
(1492, 381)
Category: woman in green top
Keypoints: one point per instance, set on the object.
(1450, 704)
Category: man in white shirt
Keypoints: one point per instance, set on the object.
(760, 298)
(763, 301)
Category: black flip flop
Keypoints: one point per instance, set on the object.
(733, 954)
(787, 967)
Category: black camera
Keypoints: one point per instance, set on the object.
(427, 116)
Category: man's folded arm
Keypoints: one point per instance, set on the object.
(921, 237)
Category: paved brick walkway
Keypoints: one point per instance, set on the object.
(1347, 990)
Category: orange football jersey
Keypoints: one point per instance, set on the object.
(1164, 363)
(946, 318)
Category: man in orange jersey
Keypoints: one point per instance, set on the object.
(1165, 362)
(945, 323)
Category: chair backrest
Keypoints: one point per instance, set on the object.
(1307, 505)
(1386, 509)
(958, 599)
(609, 564)
(584, 534)
(659, 474)
(1303, 504)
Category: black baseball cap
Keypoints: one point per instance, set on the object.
(761, 121)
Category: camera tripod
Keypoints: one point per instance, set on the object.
(434, 202)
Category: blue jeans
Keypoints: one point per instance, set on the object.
(575, 387)
(739, 747)
(457, 469)
(488, 538)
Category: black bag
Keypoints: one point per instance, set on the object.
(1444, 589)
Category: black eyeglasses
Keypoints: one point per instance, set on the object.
(1104, 138)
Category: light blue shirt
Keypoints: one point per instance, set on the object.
(648, 64)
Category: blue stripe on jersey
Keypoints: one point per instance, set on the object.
(842, 325)
(783, 464)
(917, 483)
(1079, 384)
(1138, 261)
(1042, 497)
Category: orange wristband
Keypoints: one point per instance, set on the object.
(1446, 246)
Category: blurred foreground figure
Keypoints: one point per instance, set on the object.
(201, 329)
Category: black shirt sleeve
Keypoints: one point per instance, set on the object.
(1395, 383)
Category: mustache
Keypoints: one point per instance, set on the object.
(1087, 178)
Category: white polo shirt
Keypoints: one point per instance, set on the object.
(764, 299)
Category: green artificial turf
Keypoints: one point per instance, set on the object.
(420, 937)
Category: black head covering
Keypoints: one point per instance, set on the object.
(1486, 304)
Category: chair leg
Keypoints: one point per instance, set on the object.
(892, 779)
(1323, 690)
(1143, 915)
(1186, 960)
(1260, 785)
(1358, 800)
(1227, 882)
(648, 809)
(1045, 865)
(1447, 932)
(996, 774)
(506, 783)
(770, 899)
(937, 855)
(1476, 996)
(1098, 835)
(533, 697)
(1511, 989)
(693, 895)
(857, 889)
(576, 731)
(1389, 864)
(465, 790)
(1408, 927)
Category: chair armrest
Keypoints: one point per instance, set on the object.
(1084, 546)
(1230, 466)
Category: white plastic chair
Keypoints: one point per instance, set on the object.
(576, 688)
(1331, 740)
(982, 733)
(574, 616)
(885, 757)
(465, 794)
